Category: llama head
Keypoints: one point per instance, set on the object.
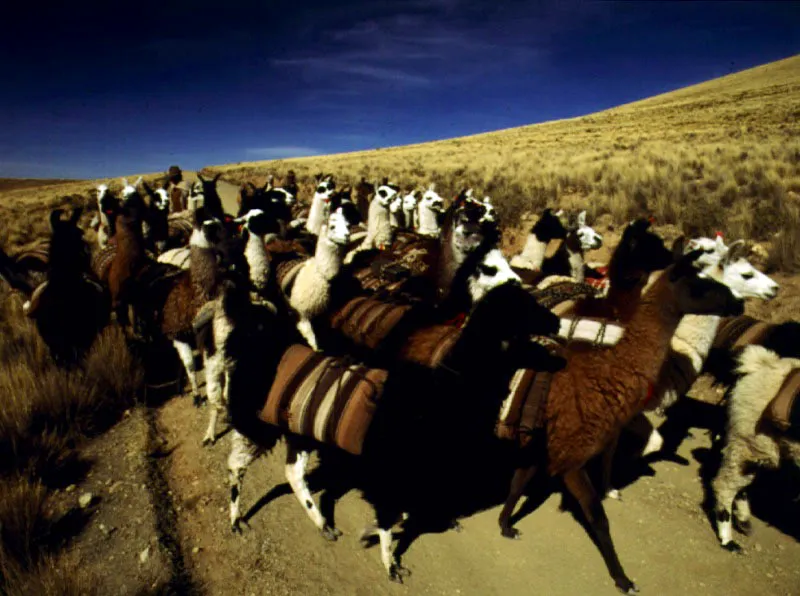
(325, 188)
(489, 210)
(696, 293)
(550, 226)
(161, 199)
(258, 223)
(736, 272)
(491, 271)
(639, 253)
(396, 205)
(713, 250)
(410, 201)
(129, 190)
(385, 194)
(338, 230)
(208, 231)
(107, 203)
(432, 201)
(343, 200)
(68, 252)
(589, 239)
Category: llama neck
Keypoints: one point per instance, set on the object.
(316, 215)
(698, 333)
(379, 226)
(428, 222)
(576, 261)
(328, 258)
(409, 217)
(203, 266)
(646, 343)
(533, 252)
(130, 240)
(258, 260)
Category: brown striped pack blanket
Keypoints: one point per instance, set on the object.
(367, 321)
(429, 345)
(784, 410)
(35, 257)
(102, 259)
(522, 412)
(561, 293)
(737, 332)
(323, 397)
(180, 225)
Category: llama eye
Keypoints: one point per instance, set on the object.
(747, 276)
(488, 270)
(321, 189)
(708, 251)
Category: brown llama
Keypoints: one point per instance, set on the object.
(70, 308)
(601, 390)
(167, 299)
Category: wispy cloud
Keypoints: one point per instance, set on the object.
(281, 152)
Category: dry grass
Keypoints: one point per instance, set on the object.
(46, 413)
(722, 155)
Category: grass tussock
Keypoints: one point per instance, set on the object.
(47, 412)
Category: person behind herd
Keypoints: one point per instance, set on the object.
(178, 190)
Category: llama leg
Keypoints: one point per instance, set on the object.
(395, 571)
(187, 358)
(214, 388)
(307, 331)
(730, 480)
(243, 452)
(522, 476)
(579, 485)
(741, 514)
(608, 466)
(296, 462)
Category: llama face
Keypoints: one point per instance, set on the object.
(338, 227)
(162, 199)
(257, 222)
(410, 201)
(386, 194)
(589, 239)
(492, 271)
(712, 250)
(746, 281)
(432, 201)
(467, 231)
(325, 189)
(397, 204)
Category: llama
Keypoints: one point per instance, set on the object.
(410, 214)
(69, 309)
(204, 192)
(256, 225)
(569, 259)
(429, 213)
(762, 431)
(166, 300)
(156, 223)
(548, 227)
(397, 217)
(694, 335)
(600, 391)
(477, 364)
(379, 228)
(103, 222)
(318, 213)
(308, 291)
(275, 202)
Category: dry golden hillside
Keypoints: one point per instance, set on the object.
(720, 155)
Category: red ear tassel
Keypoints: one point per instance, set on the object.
(718, 234)
(651, 219)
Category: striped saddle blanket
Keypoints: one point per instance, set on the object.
(784, 410)
(367, 321)
(430, 345)
(522, 412)
(286, 274)
(323, 397)
(737, 332)
(101, 261)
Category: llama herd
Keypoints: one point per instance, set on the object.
(386, 330)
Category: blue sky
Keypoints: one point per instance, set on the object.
(103, 89)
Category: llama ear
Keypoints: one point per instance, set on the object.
(736, 250)
(558, 213)
(124, 182)
(720, 243)
(76, 215)
(432, 187)
(216, 177)
(200, 177)
(139, 180)
(581, 219)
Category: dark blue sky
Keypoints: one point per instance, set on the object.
(95, 89)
